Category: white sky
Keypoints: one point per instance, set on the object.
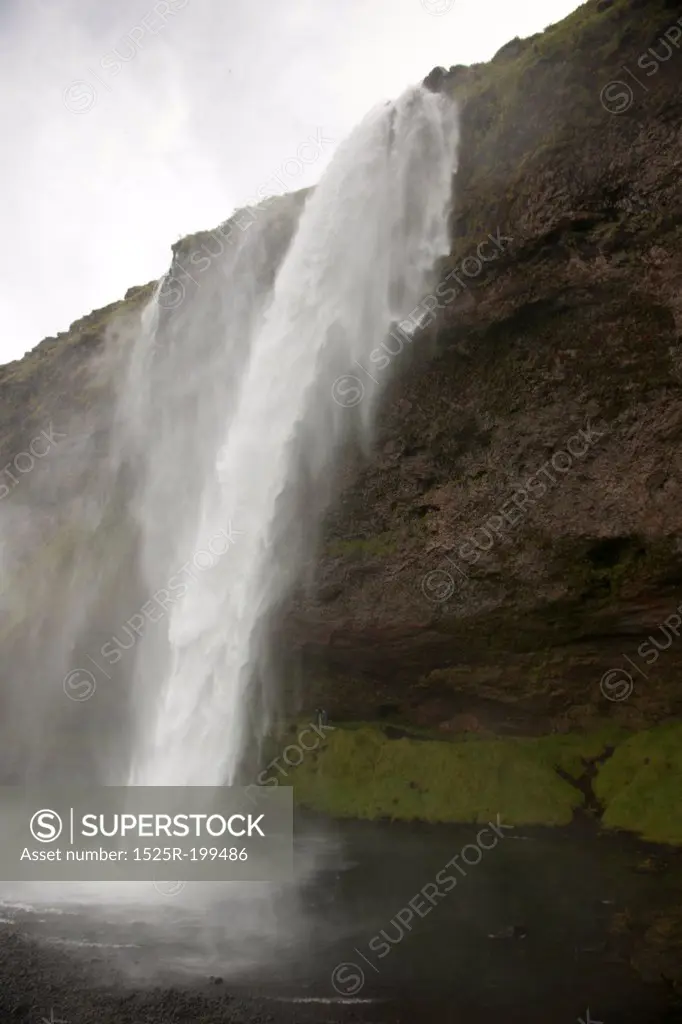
(100, 177)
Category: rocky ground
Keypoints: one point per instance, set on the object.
(37, 985)
(41, 985)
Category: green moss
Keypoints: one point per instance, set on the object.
(570, 752)
(362, 773)
(640, 785)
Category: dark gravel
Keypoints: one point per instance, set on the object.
(41, 985)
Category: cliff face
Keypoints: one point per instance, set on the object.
(516, 533)
(507, 562)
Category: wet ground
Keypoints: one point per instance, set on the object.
(372, 931)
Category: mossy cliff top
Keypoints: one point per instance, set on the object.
(66, 375)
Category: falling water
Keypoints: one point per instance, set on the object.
(159, 544)
(244, 397)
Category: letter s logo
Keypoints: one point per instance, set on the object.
(46, 826)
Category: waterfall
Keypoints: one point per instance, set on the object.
(273, 345)
(231, 403)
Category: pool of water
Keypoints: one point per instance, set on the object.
(518, 924)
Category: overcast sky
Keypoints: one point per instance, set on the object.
(128, 124)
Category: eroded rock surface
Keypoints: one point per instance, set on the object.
(440, 589)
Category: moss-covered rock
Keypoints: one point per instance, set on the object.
(362, 772)
(640, 786)
(632, 781)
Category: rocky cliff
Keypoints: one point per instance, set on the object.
(516, 534)
(503, 571)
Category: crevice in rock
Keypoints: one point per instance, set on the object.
(592, 807)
